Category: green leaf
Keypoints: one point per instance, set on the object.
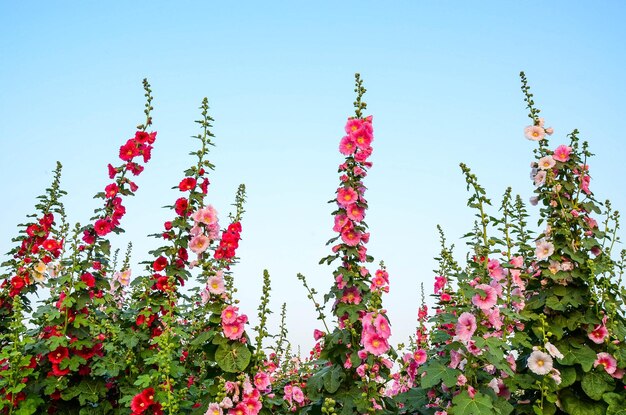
(233, 357)
(478, 405)
(576, 353)
(575, 405)
(596, 383)
(436, 372)
(333, 379)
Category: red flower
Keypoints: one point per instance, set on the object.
(111, 190)
(168, 225)
(88, 237)
(160, 264)
(58, 355)
(205, 186)
(112, 171)
(50, 245)
(102, 227)
(88, 279)
(17, 283)
(134, 168)
(188, 183)
(142, 401)
(163, 284)
(181, 206)
(144, 137)
(146, 152)
(129, 150)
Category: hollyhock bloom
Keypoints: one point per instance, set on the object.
(534, 132)
(363, 154)
(341, 221)
(129, 150)
(159, 264)
(420, 356)
(199, 244)
(381, 324)
(363, 136)
(215, 284)
(534, 200)
(562, 153)
(554, 352)
(188, 183)
(57, 371)
(351, 295)
(206, 215)
(347, 146)
(485, 300)
(262, 381)
(88, 279)
(440, 283)
(123, 277)
(353, 124)
(598, 334)
(181, 206)
(229, 314)
(346, 196)
(205, 295)
(607, 361)
(102, 227)
(465, 327)
(584, 184)
(554, 267)
(142, 401)
(544, 249)
(546, 162)
(374, 343)
(214, 409)
(495, 269)
(540, 178)
(355, 213)
(111, 190)
(351, 237)
(540, 363)
(495, 319)
(58, 354)
(112, 171)
(297, 394)
(235, 329)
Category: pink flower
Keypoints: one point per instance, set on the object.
(215, 285)
(346, 196)
(562, 153)
(465, 327)
(598, 334)
(374, 343)
(351, 295)
(262, 381)
(546, 162)
(206, 215)
(297, 394)
(122, 277)
(363, 136)
(440, 283)
(205, 295)
(214, 409)
(534, 132)
(351, 237)
(485, 300)
(382, 326)
(420, 356)
(199, 244)
(607, 361)
(347, 146)
(355, 213)
(234, 330)
(229, 314)
(540, 178)
(353, 124)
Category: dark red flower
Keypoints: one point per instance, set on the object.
(163, 284)
(181, 206)
(142, 137)
(188, 183)
(133, 186)
(159, 264)
(142, 401)
(58, 355)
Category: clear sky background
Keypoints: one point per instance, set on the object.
(443, 87)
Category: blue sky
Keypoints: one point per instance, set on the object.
(443, 86)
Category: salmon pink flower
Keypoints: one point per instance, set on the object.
(465, 327)
(607, 361)
(229, 314)
(234, 330)
(562, 153)
(346, 196)
(534, 132)
(206, 215)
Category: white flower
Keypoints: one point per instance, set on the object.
(539, 363)
(554, 352)
(546, 162)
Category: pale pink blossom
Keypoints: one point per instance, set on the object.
(199, 244)
(205, 295)
(540, 178)
(214, 409)
(123, 277)
(465, 327)
(234, 330)
(554, 267)
(206, 215)
(549, 130)
(607, 361)
(540, 363)
(544, 249)
(215, 284)
(546, 162)
(534, 132)
(554, 352)
(297, 394)
(562, 153)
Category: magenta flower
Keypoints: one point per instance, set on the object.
(465, 327)
(355, 213)
(347, 146)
